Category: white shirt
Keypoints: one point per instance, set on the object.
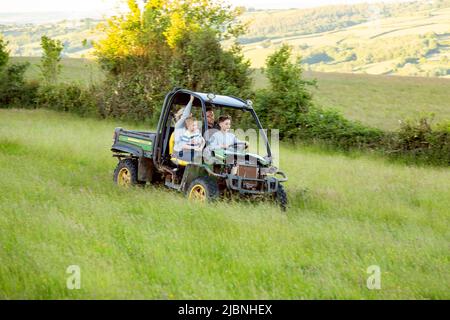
(220, 138)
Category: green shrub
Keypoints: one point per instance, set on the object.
(287, 106)
(129, 96)
(287, 100)
(68, 98)
(14, 90)
(4, 53)
(331, 127)
(420, 140)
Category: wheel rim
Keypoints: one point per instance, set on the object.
(197, 193)
(124, 177)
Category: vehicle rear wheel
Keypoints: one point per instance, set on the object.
(203, 189)
(125, 174)
(281, 197)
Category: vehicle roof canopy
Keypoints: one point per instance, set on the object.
(182, 97)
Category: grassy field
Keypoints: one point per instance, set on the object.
(83, 71)
(379, 101)
(59, 207)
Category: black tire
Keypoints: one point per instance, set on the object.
(281, 197)
(208, 185)
(126, 173)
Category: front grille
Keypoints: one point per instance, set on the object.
(248, 172)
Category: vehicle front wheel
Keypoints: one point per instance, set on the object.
(281, 197)
(125, 174)
(203, 189)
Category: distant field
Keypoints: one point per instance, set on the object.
(59, 207)
(414, 44)
(406, 38)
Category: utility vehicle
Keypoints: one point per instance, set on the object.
(147, 157)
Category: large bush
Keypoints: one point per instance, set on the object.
(330, 127)
(14, 90)
(146, 54)
(131, 96)
(420, 140)
(68, 98)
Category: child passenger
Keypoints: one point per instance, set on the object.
(190, 144)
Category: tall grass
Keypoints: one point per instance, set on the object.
(59, 207)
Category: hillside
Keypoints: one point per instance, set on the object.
(411, 39)
(377, 100)
(24, 39)
(413, 44)
(84, 71)
(347, 213)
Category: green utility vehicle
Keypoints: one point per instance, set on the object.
(147, 157)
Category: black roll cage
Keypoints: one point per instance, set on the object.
(165, 113)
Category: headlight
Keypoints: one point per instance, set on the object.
(268, 171)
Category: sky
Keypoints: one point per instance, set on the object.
(108, 6)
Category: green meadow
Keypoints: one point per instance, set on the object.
(378, 101)
(73, 70)
(59, 207)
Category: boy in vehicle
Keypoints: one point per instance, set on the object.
(224, 139)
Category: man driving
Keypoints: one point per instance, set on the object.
(210, 118)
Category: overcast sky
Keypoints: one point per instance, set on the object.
(107, 6)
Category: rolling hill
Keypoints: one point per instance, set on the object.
(411, 39)
(413, 44)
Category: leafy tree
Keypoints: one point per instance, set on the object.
(282, 105)
(175, 43)
(50, 61)
(4, 53)
(200, 63)
(14, 91)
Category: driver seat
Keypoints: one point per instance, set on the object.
(173, 159)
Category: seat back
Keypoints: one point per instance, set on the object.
(171, 143)
(174, 159)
